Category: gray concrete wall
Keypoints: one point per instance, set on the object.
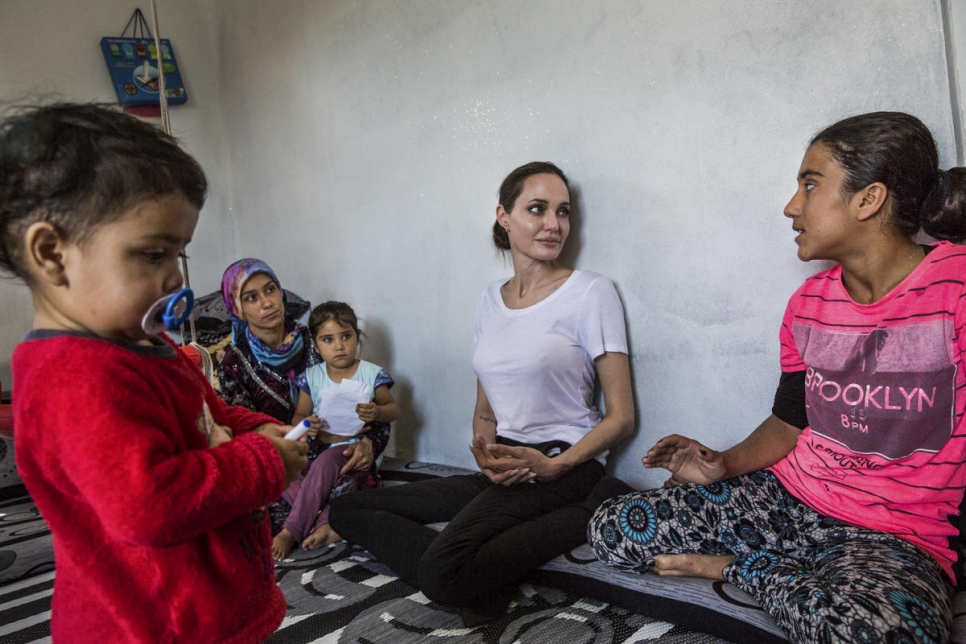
(368, 140)
(357, 146)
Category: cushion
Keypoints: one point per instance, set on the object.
(714, 607)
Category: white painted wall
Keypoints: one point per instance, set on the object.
(357, 146)
(954, 12)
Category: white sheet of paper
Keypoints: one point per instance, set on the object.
(337, 406)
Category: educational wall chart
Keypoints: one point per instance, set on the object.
(133, 63)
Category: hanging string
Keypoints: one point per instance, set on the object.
(166, 126)
(162, 87)
(191, 316)
(138, 26)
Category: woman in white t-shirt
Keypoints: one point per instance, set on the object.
(543, 338)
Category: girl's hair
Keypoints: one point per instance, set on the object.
(511, 188)
(341, 312)
(897, 150)
(79, 167)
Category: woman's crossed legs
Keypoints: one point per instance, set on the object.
(495, 534)
(821, 579)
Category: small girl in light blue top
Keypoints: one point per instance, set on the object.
(334, 329)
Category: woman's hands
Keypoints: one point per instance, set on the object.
(506, 465)
(544, 468)
(688, 461)
(497, 470)
(360, 456)
(691, 462)
(494, 466)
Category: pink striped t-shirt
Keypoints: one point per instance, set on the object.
(885, 391)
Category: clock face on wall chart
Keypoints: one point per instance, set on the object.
(146, 77)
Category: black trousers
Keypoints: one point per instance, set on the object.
(494, 537)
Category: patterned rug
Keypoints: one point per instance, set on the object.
(341, 594)
(338, 594)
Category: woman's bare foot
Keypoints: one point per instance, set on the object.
(705, 566)
(283, 544)
(321, 536)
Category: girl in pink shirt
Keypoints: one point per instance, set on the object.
(837, 512)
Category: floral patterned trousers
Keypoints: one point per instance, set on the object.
(822, 580)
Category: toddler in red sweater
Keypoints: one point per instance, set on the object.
(150, 484)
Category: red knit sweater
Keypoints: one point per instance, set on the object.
(155, 536)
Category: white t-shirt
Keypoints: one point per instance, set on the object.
(316, 378)
(536, 364)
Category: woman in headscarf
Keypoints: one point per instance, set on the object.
(268, 352)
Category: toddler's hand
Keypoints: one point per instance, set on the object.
(367, 412)
(318, 424)
(217, 434)
(293, 456)
(269, 430)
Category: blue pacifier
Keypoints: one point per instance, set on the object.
(169, 312)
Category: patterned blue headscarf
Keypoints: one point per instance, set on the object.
(231, 286)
